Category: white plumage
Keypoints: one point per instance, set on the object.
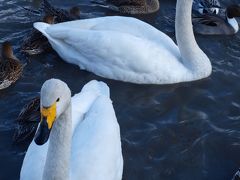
(127, 49)
(96, 146)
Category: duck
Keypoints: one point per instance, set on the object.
(11, 68)
(61, 15)
(35, 43)
(27, 121)
(210, 24)
(77, 138)
(130, 6)
(206, 6)
(130, 50)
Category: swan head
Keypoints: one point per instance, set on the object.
(55, 98)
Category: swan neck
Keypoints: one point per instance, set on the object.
(184, 30)
(59, 150)
(191, 55)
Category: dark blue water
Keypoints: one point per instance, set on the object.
(185, 131)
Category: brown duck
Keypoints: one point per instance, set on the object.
(35, 43)
(27, 121)
(10, 67)
(131, 6)
(61, 14)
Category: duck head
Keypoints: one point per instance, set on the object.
(49, 19)
(75, 12)
(7, 51)
(233, 11)
(55, 99)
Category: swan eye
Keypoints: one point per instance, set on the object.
(215, 11)
(58, 99)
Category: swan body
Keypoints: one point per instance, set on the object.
(91, 138)
(130, 50)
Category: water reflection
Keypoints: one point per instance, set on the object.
(184, 131)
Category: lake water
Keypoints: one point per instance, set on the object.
(184, 131)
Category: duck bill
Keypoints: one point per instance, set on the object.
(48, 116)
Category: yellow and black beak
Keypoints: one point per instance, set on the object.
(48, 116)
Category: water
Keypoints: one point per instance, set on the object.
(185, 131)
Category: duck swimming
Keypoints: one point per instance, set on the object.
(27, 121)
(61, 14)
(131, 6)
(77, 138)
(217, 25)
(10, 67)
(130, 50)
(35, 43)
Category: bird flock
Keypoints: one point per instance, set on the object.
(78, 137)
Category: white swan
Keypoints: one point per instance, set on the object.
(84, 142)
(127, 49)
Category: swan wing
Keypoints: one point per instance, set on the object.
(96, 147)
(34, 161)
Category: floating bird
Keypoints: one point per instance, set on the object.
(10, 67)
(61, 15)
(130, 6)
(218, 25)
(77, 138)
(130, 50)
(35, 43)
(27, 121)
